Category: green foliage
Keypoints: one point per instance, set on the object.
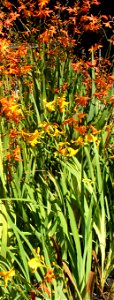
(56, 178)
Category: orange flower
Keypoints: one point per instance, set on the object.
(81, 116)
(107, 24)
(49, 276)
(17, 154)
(111, 100)
(45, 36)
(43, 3)
(94, 130)
(91, 23)
(92, 65)
(82, 100)
(25, 69)
(70, 121)
(95, 47)
(43, 13)
(4, 44)
(95, 2)
(111, 78)
(77, 66)
(61, 102)
(44, 287)
(13, 133)
(11, 109)
(82, 129)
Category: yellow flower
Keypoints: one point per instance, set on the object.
(4, 44)
(71, 151)
(61, 144)
(61, 102)
(7, 276)
(58, 101)
(79, 141)
(35, 263)
(31, 138)
(65, 150)
(50, 105)
(51, 129)
(90, 138)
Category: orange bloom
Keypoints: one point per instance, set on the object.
(107, 24)
(11, 109)
(13, 133)
(81, 129)
(91, 23)
(25, 69)
(43, 3)
(44, 287)
(95, 2)
(92, 65)
(82, 100)
(77, 66)
(17, 154)
(95, 47)
(49, 276)
(4, 44)
(111, 78)
(111, 100)
(81, 116)
(94, 130)
(61, 102)
(70, 121)
(43, 13)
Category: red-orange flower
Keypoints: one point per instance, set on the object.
(111, 100)
(11, 109)
(94, 130)
(49, 276)
(81, 116)
(17, 154)
(111, 78)
(71, 121)
(44, 287)
(81, 129)
(82, 100)
(43, 3)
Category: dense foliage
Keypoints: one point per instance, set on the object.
(56, 152)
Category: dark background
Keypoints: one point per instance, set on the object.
(88, 38)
